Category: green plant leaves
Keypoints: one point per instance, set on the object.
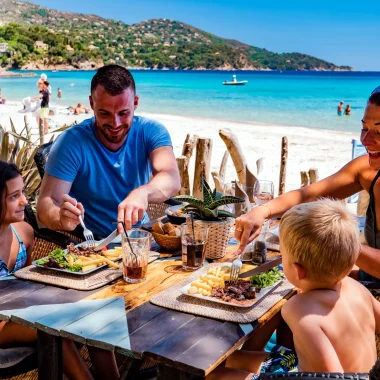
(226, 200)
(206, 192)
(189, 199)
(225, 214)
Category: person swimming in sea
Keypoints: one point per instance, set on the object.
(340, 108)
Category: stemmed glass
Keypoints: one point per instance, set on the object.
(263, 191)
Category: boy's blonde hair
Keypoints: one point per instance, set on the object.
(323, 237)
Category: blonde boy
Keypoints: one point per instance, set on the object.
(333, 318)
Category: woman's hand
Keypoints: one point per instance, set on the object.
(248, 226)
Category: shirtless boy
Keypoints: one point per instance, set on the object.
(333, 318)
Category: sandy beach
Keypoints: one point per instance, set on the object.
(308, 148)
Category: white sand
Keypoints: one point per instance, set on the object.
(308, 148)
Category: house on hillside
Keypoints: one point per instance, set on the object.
(92, 47)
(3, 47)
(69, 48)
(41, 45)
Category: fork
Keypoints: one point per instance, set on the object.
(88, 235)
(235, 270)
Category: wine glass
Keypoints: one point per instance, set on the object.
(263, 191)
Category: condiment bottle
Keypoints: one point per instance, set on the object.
(259, 252)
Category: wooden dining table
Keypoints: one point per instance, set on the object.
(119, 317)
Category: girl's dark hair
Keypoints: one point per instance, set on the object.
(375, 98)
(7, 172)
(114, 78)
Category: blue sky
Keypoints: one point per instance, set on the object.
(342, 32)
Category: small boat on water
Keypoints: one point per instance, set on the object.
(235, 82)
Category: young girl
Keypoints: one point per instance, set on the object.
(17, 238)
(16, 244)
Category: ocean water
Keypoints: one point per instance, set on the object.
(287, 98)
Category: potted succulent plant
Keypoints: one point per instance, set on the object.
(209, 212)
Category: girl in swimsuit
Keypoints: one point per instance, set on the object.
(17, 238)
(361, 173)
(16, 244)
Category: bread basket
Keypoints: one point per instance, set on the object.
(171, 243)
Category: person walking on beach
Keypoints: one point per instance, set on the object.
(340, 108)
(45, 98)
(59, 94)
(347, 110)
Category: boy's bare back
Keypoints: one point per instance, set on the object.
(334, 330)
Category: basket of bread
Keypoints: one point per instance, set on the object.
(167, 235)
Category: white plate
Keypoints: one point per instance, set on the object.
(248, 303)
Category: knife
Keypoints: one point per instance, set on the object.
(262, 268)
(106, 241)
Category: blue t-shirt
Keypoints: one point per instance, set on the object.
(101, 179)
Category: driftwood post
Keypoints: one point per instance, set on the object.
(304, 179)
(223, 167)
(284, 161)
(250, 180)
(189, 145)
(41, 131)
(313, 175)
(182, 163)
(236, 153)
(217, 181)
(202, 164)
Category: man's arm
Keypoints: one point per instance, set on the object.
(312, 345)
(163, 185)
(55, 208)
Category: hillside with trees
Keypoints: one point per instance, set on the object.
(35, 37)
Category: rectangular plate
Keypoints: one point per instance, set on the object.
(264, 292)
(67, 271)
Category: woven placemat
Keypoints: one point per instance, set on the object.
(91, 281)
(171, 298)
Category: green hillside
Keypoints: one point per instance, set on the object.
(39, 37)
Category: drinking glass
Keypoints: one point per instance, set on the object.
(193, 238)
(263, 191)
(135, 255)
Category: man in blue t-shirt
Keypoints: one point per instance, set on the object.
(105, 163)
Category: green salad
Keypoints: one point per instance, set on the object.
(61, 260)
(265, 279)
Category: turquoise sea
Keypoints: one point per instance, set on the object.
(287, 98)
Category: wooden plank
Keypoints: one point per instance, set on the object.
(36, 297)
(107, 337)
(49, 356)
(52, 302)
(140, 341)
(90, 324)
(180, 340)
(13, 287)
(212, 350)
(22, 292)
(57, 320)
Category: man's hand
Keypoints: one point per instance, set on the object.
(132, 209)
(69, 213)
(248, 226)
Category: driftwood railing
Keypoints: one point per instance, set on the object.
(203, 153)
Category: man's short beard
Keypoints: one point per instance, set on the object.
(113, 139)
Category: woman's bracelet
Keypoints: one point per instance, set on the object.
(270, 211)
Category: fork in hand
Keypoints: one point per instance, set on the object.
(88, 235)
(235, 270)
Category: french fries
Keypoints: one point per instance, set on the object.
(215, 277)
(106, 257)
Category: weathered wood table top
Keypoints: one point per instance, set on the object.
(119, 317)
